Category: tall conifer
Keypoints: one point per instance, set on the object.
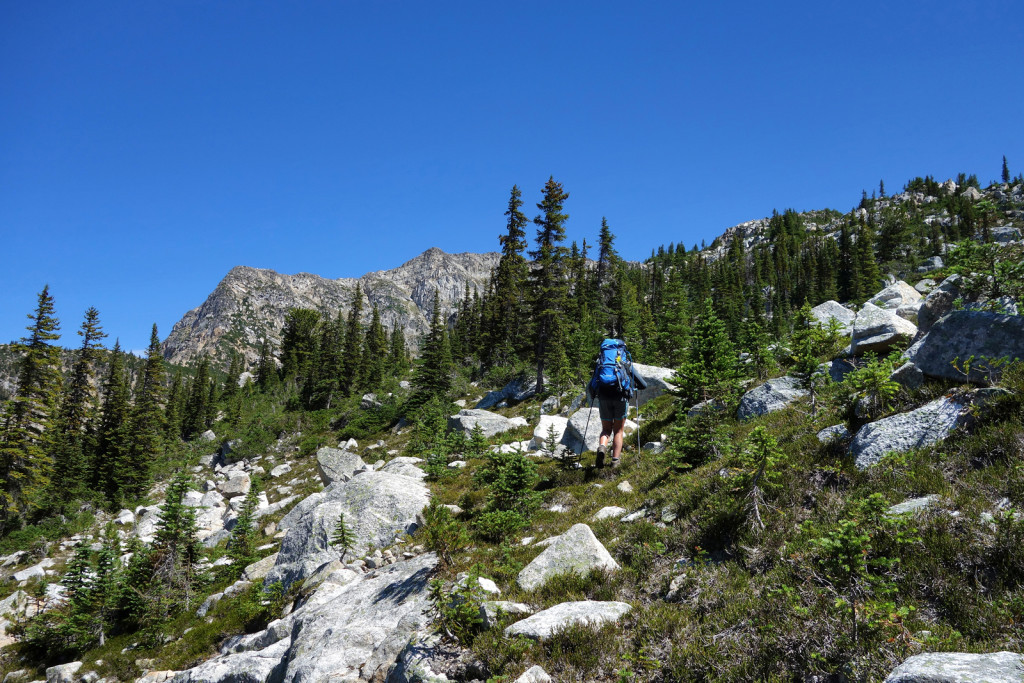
(549, 285)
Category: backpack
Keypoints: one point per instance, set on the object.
(614, 371)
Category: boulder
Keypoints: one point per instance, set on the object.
(377, 507)
(515, 391)
(938, 303)
(351, 629)
(237, 486)
(877, 330)
(492, 610)
(490, 423)
(908, 376)
(658, 379)
(36, 571)
(543, 625)
(959, 667)
(928, 265)
(208, 436)
(833, 434)
(63, 673)
(909, 311)
(775, 394)
(588, 420)
(333, 464)
(281, 470)
(925, 426)
(260, 568)
(405, 466)
(895, 295)
(963, 334)
(1005, 234)
(830, 310)
(925, 286)
(548, 422)
(534, 674)
(610, 512)
(577, 551)
(837, 369)
(912, 505)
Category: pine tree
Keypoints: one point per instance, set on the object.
(242, 544)
(548, 277)
(113, 439)
(351, 355)
(298, 344)
(70, 448)
(266, 367)
(1006, 171)
(194, 419)
(374, 353)
(507, 323)
(176, 553)
(147, 422)
(432, 377)
(710, 369)
(343, 537)
(868, 275)
(398, 354)
(25, 465)
(175, 409)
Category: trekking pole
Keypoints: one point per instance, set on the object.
(590, 414)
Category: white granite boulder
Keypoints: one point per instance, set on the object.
(546, 424)
(377, 507)
(333, 464)
(491, 423)
(925, 426)
(833, 310)
(658, 379)
(960, 667)
(576, 551)
(966, 334)
(896, 295)
(877, 330)
(543, 625)
(775, 394)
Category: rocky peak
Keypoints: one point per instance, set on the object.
(250, 303)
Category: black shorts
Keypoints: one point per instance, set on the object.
(612, 407)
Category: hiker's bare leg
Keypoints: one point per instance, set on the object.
(618, 427)
(606, 431)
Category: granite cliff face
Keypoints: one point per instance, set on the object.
(252, 302)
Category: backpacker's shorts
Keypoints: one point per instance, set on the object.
(612, 407)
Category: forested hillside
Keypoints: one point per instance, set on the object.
(823, 482)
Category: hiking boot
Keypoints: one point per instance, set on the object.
(599, 460)
(616, 462)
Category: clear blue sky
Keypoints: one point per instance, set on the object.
(148, 147)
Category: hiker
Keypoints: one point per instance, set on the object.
(614, 382)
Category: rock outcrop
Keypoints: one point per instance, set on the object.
(833, 310)
(925, 426)
(962, 335)
(351, 629)
(490, 423)
(877, 330)
(543, 625)
(658, 379)
(960, 667)
(576, 551)
(334, 465)
(775, 394)
(377, 506)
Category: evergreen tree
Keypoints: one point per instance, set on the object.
(176, 554)
(298, 344)
(1006, 171)
(244, 536)
(398, 354)
(25, 465)
(147, 422)
(374, 353)
(175, 409)
(710, 369)
(70, 447)
(868, 276)
(194, 420)
(507, 323)
(343, 537)
(351, 356)
(433, 374)
(113, 441)
(549, 285)
(266, 367)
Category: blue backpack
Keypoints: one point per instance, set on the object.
(614, 371)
